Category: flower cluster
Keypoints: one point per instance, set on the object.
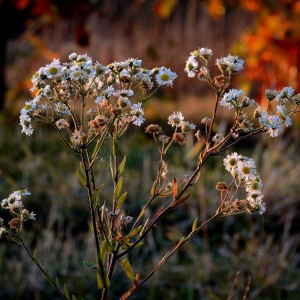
(243, 170)
(176, 120)
(230, 64)
(19, 214)
(82, 98)
(287, 104)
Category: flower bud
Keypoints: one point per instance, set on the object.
(270, 94)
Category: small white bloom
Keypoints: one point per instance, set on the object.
(231, 161)
(175, 119)
(274, 125)
(62, 109)
(53, 70)
(230, 63)
(284, 95)
(191, 66)
(137, 113)
(25, 122)
(282, 114)
(230, 99)
(246, 169)
(165, 77)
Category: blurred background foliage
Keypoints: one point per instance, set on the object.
(218, 263)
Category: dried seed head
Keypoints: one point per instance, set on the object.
(153, 129)
(179, 138)
(15, 223)
(221, 186)
(240, 204)
(220, 81)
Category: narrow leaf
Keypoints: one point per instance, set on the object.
(89, 265)
(122, 165)
(81, 176)
(97, 192)
(133, 232)
(97, 146)
(111, 167)
(102, 277)
(120, 201)
(195, 224)
(57, 283)
(103, 250)
(180, 201)
(74, 298)
(175, 188)
(66, 292)
(127, 269)
(118, 188)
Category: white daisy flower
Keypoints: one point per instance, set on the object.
(230, 99)
(284, 95)
(165, 77)
(191, 66)
(274, 125)
(25, 122)
(62, 109)
(53, 70)
(246, 169)
(175, 119)
(231, 161)
(137, 113)
(282, 114)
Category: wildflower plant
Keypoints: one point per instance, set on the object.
(91, 105)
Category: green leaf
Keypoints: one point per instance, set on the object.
(57, 283)
(89, 265)
(195, 224)
(102, 277)
(97, 146)
(97, 192)
(66, 292)
(122, 165)
(111, 167)
(121, 200)
(133, 232)
(127, 269)
(74, 298)
(118, 188)
(81, 176)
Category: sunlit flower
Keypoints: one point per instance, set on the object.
(175, 119)
(191, 66)
(282, 114)
(137, 113)
(165, 77)
(285, 94)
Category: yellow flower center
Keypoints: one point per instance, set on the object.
(53, 70)
(164, 77)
